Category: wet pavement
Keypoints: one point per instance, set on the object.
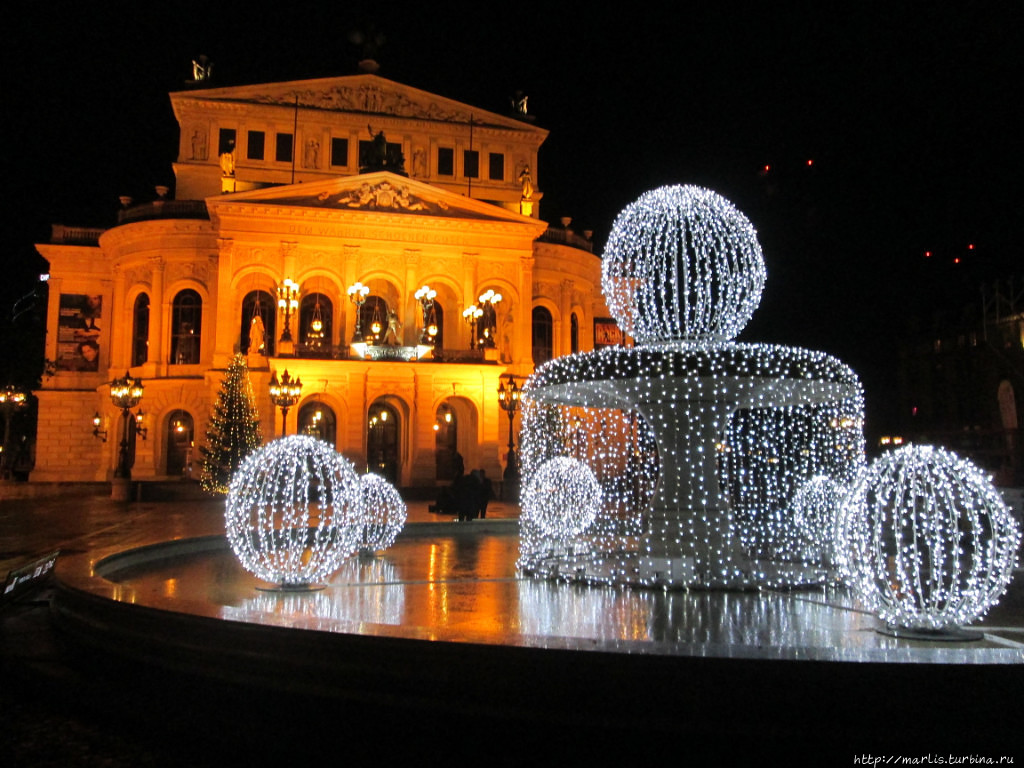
(457, 583)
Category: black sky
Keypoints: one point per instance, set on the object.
(909, 113)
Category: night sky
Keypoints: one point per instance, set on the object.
(908, 114)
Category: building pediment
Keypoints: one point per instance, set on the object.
(369, 94)
(380, 192)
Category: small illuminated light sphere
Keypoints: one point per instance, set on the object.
(384, 514)
(814, 511)
(682, 264)
(562, 498)
(294, 511)
(925, 540)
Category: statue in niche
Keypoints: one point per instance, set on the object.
(419, 162)
(507, 333)
(257, 336)
(393, 336)
(199, 144)
(526, 179)
(311, 158)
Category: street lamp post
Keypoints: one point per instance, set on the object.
(125, 394)
(425, 296)
(284, 394)
(11, 400)
(471, 314)
(357, 293)
(508, 399)
(288, 300)
(489, 323)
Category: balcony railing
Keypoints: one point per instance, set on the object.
(566, 237)
(389, 353)
(61, 235)
(164, 209)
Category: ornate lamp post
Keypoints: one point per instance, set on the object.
(125, 393)
(425, 296)
(11, 400)
(489, 323)
(471, 314)
(288, 300)
(357, 293)
(508, 399)
(284, 394)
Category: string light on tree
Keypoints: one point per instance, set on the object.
(294, 512)
(384, 514)
(926, 542)
(234, 429)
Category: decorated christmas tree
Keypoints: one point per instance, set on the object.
(234, 430)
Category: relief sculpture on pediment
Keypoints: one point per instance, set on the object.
(366, 98)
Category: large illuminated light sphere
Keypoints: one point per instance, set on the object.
(562, 498)
(814, 512)
(927, 542)
(294, 511)
(384, 513)
(682, 264)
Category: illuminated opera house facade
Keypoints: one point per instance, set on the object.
(350, 195)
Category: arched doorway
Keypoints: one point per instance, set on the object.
(318, 420)
(382, 441)
(259, 307)
(446, 442)
(316, 321)
(179, 432)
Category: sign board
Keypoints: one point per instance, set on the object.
(27, 577)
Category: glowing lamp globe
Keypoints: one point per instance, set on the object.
(562, 498)
(926, 541)
(294, 511)
(384, 513)
(682, 264)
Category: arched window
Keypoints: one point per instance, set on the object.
(382, 442)
(318, 420)
(140, 330)
(315, 323)
(179, 442)
(574, 334)
(543, 349)
(446, 442)
(186, 327)
(259, 308)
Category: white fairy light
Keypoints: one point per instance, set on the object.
(815, 512)
(723, 434)
(682, 264)
(925, 540)
(384, 513)
(561, 498)
(294, 511)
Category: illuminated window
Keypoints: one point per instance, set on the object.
(445, 161)
(186, 327)
(339, 153)
(496, 166)
(471, 163)
(140, 330)
(542, 336)
(283, 152)
(254, 150)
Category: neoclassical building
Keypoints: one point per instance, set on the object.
(334, 191)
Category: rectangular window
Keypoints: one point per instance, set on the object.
(496, 166)
(445, 161)
(471, 163)
(284, 148)
(255, 147)
(339, 152)
(226, 142)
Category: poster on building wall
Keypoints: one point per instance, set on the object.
(606, 333)
(78, 332)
